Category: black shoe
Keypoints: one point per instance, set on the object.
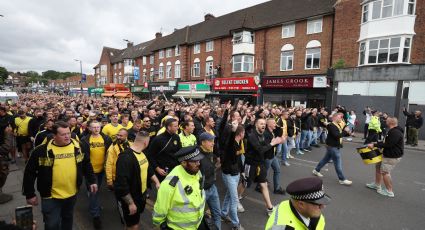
(306, 150)
(317, 146)
(310, 149)
(258, 188)
(97, 223)
(414, 145)
(280, 191)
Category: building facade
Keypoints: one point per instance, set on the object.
(379, 46)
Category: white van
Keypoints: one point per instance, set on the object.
(6, 96)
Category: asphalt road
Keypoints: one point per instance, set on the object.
(353, 207)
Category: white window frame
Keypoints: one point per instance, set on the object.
(161, 71)
(169, 52)
(288, 30)
(144, 60)
(313, 50)
(196, 48)
(243, 37)
(286, 55)
(404, 50)
(196, 70)
(315, 24)
(168, 71)
(209, 46)
(161, 54)
(209, 67)
(119, 65)
(365, 13)
(243, 62)
(152, 59)
(177, 50)
(411, 7)
(177, 71)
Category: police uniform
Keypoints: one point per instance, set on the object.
(181, 198)
(286, 217)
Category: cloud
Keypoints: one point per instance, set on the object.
(51, 34)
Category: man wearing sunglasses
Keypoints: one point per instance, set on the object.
(147, 127)
(304, 210)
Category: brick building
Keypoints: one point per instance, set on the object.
(380, 46)
(73, 82)
(291, 51)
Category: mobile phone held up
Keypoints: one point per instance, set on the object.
(24, 217)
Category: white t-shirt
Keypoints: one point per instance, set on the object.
(352, 119)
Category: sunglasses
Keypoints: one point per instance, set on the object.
(146, 120)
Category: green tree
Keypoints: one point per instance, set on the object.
(3, 74)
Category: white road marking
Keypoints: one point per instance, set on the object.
(299, 159)
(308, 166)
(419, 183)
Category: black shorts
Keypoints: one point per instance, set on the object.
(257, 173)
(21, 140)
(131, 220)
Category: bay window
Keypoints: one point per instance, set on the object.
(385, 50)
(243, 63)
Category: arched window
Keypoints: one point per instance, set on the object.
(287, 58)
(312, 56)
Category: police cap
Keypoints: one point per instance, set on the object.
(308, 189)
(190, 153)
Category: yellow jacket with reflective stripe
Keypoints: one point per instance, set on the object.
(283, 217)
(176, 205)
(187, 140)
(375, 124)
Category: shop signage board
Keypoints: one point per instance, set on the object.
(294, 82)
(235, 84)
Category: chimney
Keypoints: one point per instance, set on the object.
(158, 35)
(129, 44)
(208, 17)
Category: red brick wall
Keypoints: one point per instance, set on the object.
(75, 81)
(418, 46)
(104, 60)
(274, 43)
(347, 32)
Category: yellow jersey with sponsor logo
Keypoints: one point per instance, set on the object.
(64, 172)
(111, 130)
(22, 126)
(144, 164)
(97, 153)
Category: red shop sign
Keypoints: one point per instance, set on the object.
(294, 82)
(235, 84)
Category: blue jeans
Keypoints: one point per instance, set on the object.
(274, 163)
(213, 201)
(94, 204)
(298, 145)
(321, 134)
(313, 137)
(305, 139)
(283, 149)
(58, 213)
(334, 154)
(230, 202)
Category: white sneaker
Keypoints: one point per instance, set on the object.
(290, 156)
(270, 211)
(316, 173)
(345, 182)
(240, 208)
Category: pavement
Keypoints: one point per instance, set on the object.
(419, 147)
(352, 207)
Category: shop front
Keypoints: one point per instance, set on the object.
(94, 92)
(236, 88)
(192, 90)
(140, 91)
(307, 91)
(162, 88)
(116, 90)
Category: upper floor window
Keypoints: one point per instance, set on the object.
(365, 15)
(169, 53)
(411, 7)
(287, 58)
(209, 46)
(128, 62)
(119, 65)
(168, 70)
(384, 9)
(115, 66)
(151, 59)
(144, 60)
(314, 26)
(161, 54)
(196, 68)
(385, 50)
(209, 66)
(243, 37)
(243, 63)
(197, 48)
(177, 69)
(161, 71)
(288, 30)
(312, 56)
(177, 50)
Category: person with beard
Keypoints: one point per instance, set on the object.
(133, 172)
(117, 147)
(162, 150)
(181, 197)
(36, 124)
(96, 145)
(147, 127)
(198, 122)
(137, 125)
(47, 131)
(255, 166)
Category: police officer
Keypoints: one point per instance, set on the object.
(181, 198)
(304, 210)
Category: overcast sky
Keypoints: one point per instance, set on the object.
(50, 34)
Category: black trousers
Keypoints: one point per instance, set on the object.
(365, 130)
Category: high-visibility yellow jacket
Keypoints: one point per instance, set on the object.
(283, 217)
(375, 124)
(181, 200)
(187, 140)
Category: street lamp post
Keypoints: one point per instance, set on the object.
(81, 77)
